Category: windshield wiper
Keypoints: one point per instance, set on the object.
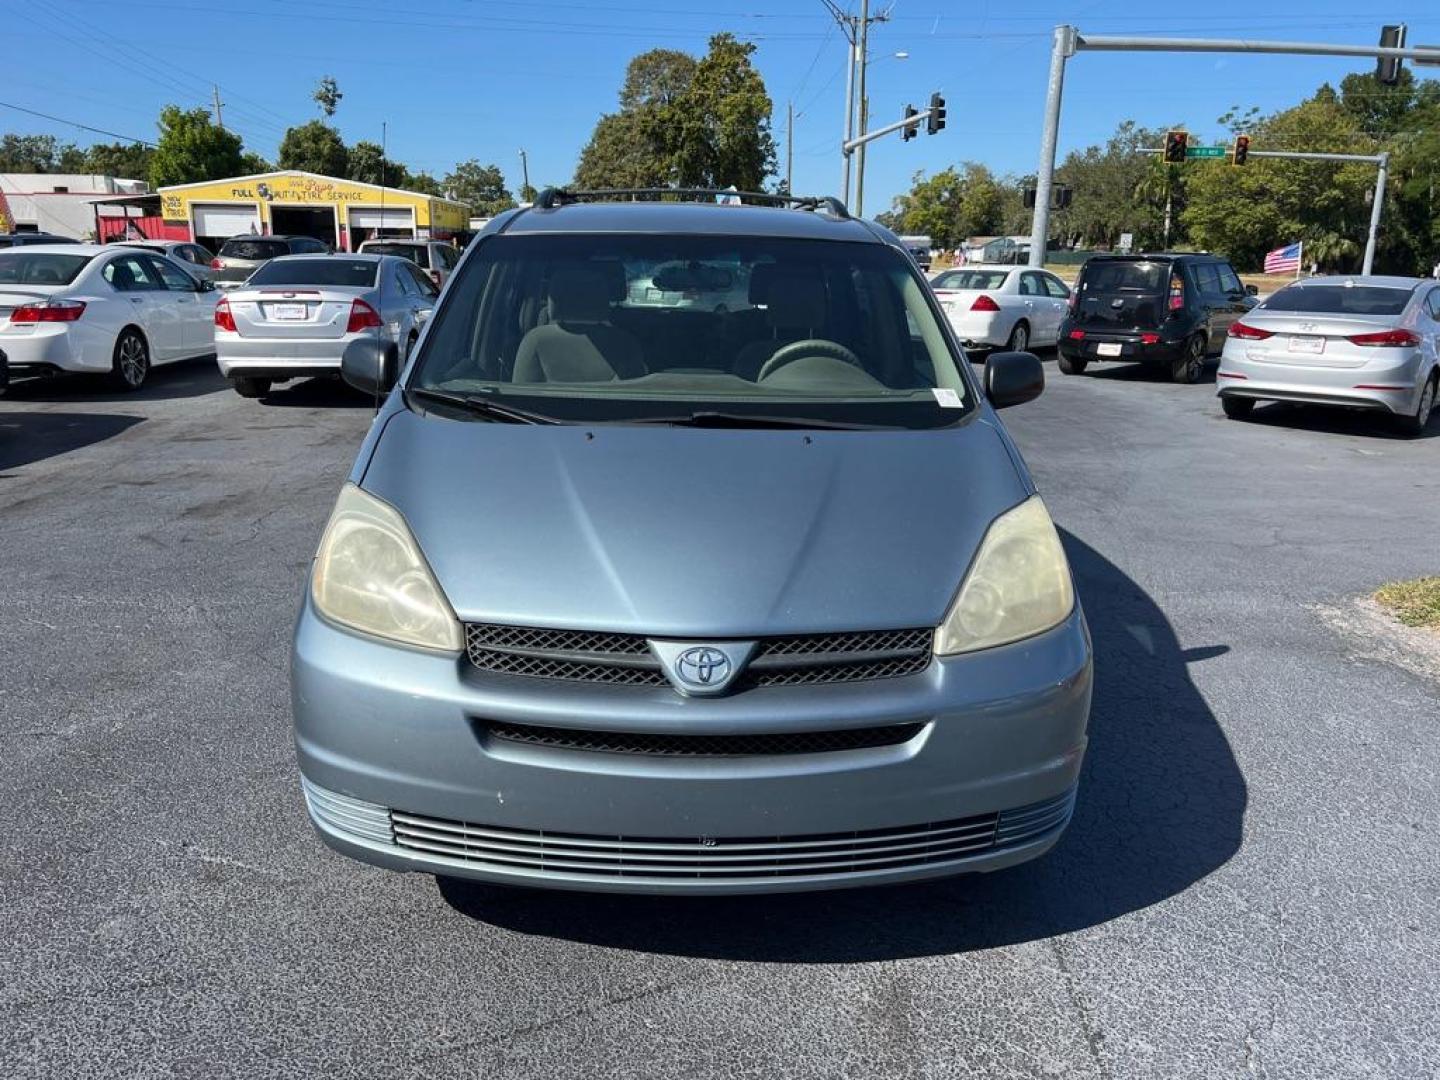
(708, 418)
(482, 406)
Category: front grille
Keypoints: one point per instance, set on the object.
(626, 660)
(668, 745)
(586, 855)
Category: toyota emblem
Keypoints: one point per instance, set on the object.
(703, 666)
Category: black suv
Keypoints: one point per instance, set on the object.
(1158, 309)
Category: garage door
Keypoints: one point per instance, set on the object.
(375, 218)
(225, 220)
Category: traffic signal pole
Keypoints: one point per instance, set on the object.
(1069, 41)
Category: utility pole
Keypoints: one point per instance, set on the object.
(524, 173)
(855, 28)
(790, 147)
(219, 120)
(863, 50)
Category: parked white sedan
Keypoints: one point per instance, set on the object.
(106, 310)
(1013, 307)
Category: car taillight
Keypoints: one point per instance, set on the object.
(224, 320)
(984, 303)
(1400, 339)
(1177, 293)
(216, 264)
(362, 317)
(1246, 332)
(1077, 335)
(48, 311)
(1149, 339)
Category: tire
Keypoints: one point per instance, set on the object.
(130, 364)
(1237, 408)
(1019, 339)
(1070, 365)
(1415, 425)
(250, 387)
(1190, 365)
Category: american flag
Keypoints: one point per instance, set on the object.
(1285, 260)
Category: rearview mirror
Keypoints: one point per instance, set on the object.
(1013, 378)
(370, 366)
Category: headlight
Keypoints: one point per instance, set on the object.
(370, 576)
(1018, 586)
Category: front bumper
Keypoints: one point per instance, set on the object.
(1388, 383)
(397, 774)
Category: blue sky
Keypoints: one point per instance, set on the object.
(456, 79)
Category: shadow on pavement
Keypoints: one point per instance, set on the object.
(1152, 373)
(1161, 806)
(317, 394)
(27, 437)
(184, 379)
(1364, 423)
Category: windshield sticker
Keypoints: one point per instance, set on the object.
(946, 398)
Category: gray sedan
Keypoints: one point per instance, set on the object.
(297, 314)
(1364, 342)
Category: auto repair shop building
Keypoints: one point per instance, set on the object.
(343, 213)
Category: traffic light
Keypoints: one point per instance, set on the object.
(1387, 68)
(936, 121)
(1176, 143)
(1063, 195)
(1029, 198)
(1241, 153)
(908, 131)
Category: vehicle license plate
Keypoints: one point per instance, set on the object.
(288, 312)
(1307, 344)
(1108, 348)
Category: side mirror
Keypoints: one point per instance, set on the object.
(1013, 378)
(1252, 290)
(370, 366)
(206, 285)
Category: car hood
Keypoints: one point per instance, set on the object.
(690, 532)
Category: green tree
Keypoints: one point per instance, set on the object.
(481, 187)
(252, 163)
(702, 123)
(424, 183)
(1104, 181)
(327, 95)
(130, 160)
(314, 147)
(192, 149)
(1244, 212)
(952, 205)
(28, 153)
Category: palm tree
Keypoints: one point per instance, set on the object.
(1157, 188)
(1328, 248)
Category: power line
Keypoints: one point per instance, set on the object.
(77, 124)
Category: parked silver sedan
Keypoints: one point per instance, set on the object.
(297, 314)
(1363, 342)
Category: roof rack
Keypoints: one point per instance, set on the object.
(551, 197)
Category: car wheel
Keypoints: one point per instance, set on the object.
(1191, 363)
(1019, 337)
(1416, 424)
(250, 387)
(131, 362)
(1237, 408)
(1070, 365)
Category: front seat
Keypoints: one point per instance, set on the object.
(794, 310)
(578, 344)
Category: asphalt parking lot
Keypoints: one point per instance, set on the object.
(1249, 887)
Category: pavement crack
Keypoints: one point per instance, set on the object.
(1094, 1037)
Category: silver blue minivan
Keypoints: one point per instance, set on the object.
(750, 593)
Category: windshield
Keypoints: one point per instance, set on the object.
(582, 327)
(253, 249)
(1339, 300)
(1105, 277)
(419, 254)
(351, 273)
(23, 267)
(972, 279)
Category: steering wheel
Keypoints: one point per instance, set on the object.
(787, 354)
